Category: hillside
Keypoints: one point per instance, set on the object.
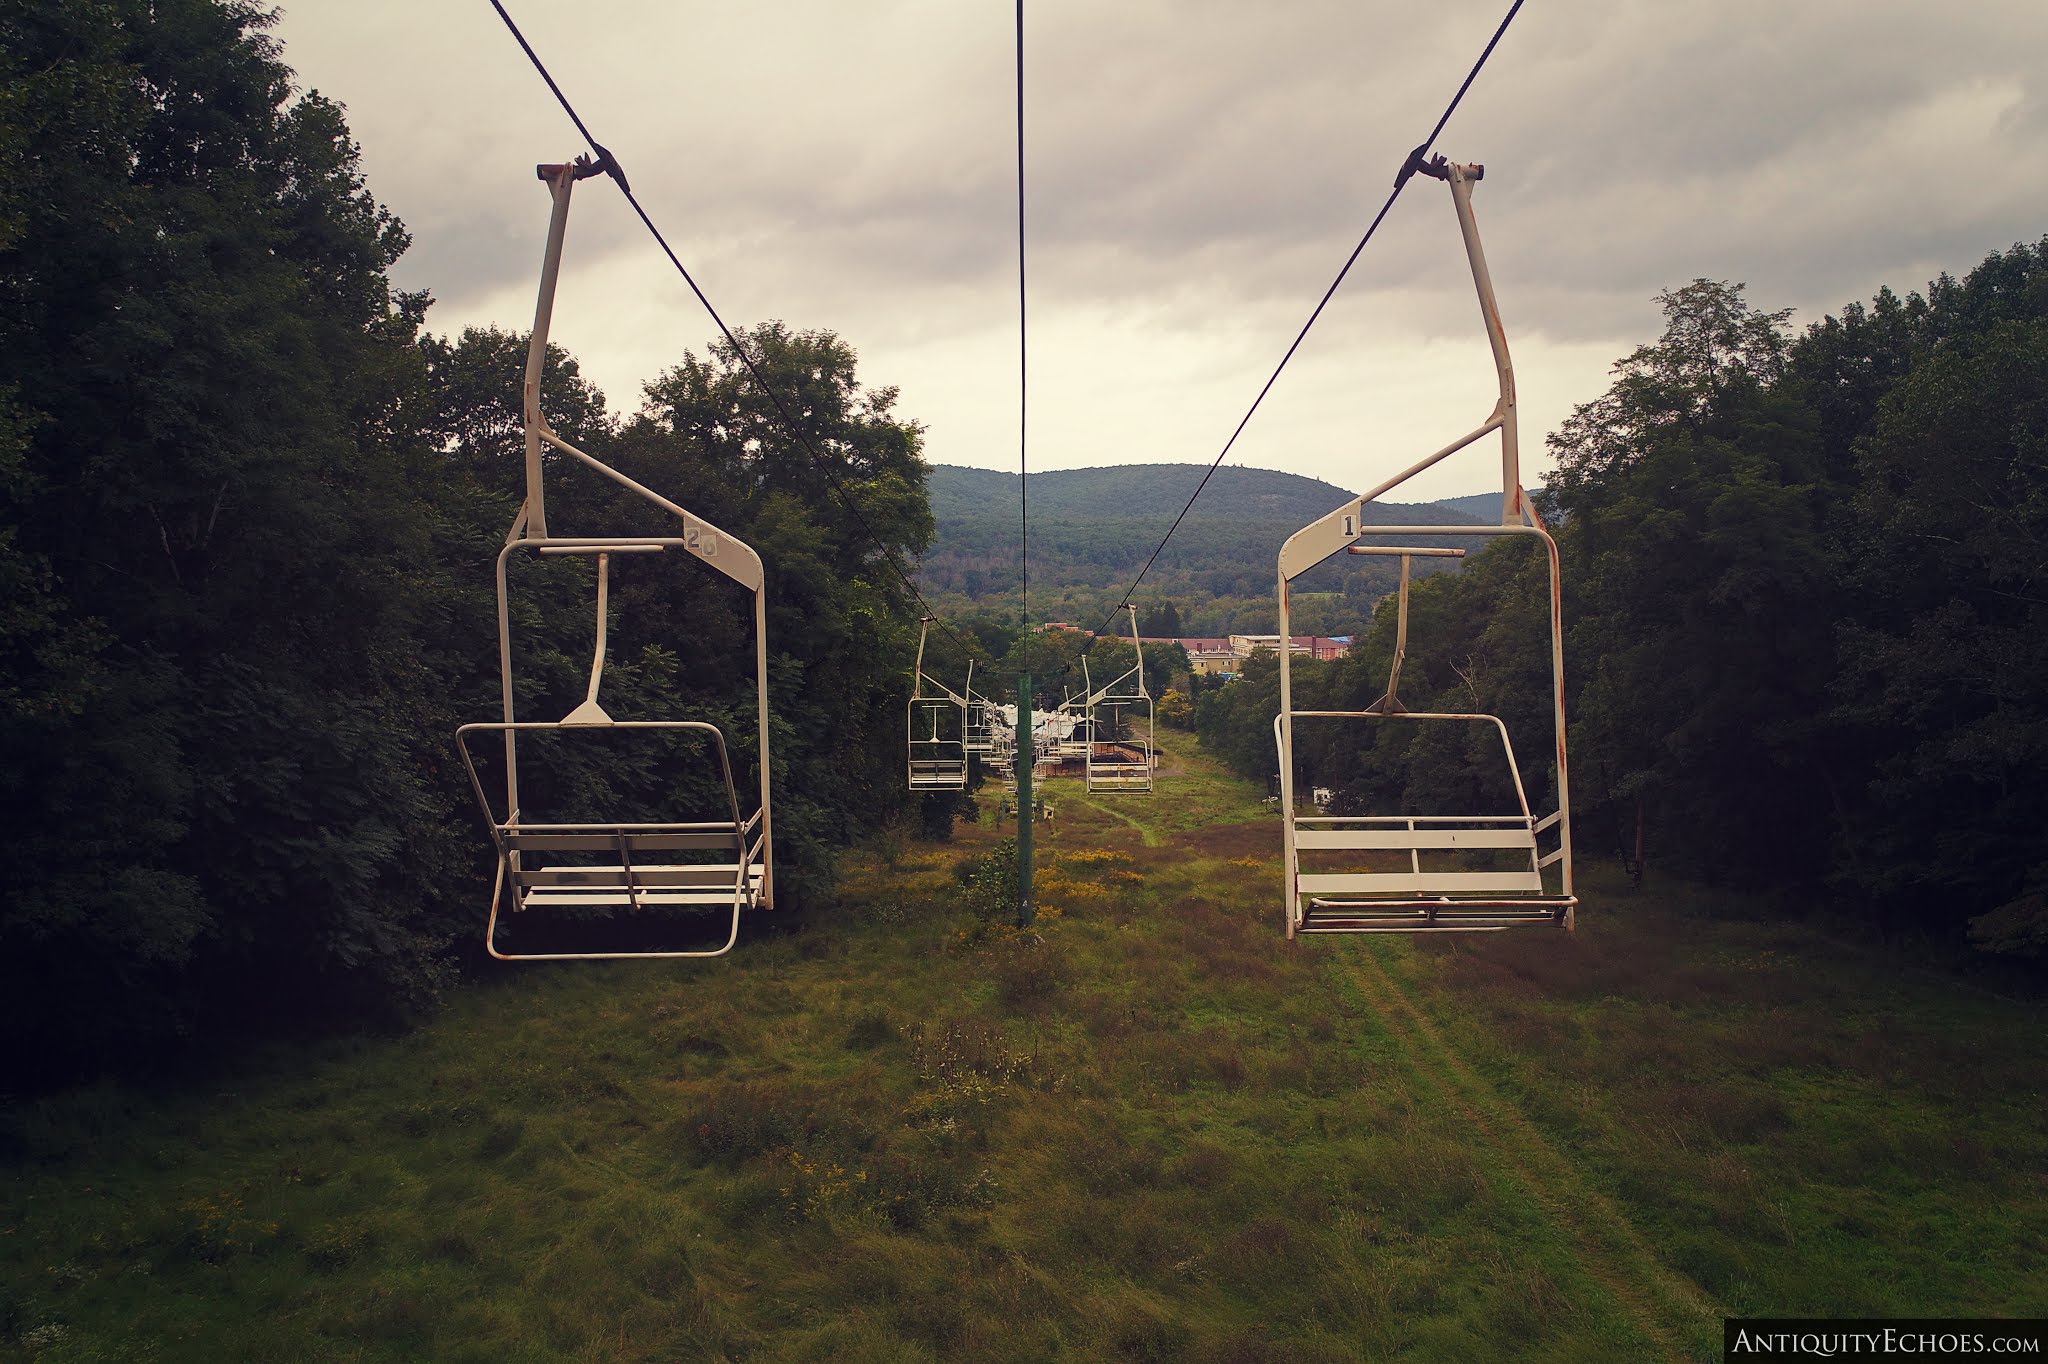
(1151, 1129)
(1091, 530)
(1478, 506)
(1131, 490)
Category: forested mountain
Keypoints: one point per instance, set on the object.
(1061, 495)
(1092, 529)
(1478, 506)
(1807, 637)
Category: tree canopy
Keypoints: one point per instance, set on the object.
(248, 510)
(1805, 624)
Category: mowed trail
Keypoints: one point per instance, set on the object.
(1150, 837)
(1667, 1309)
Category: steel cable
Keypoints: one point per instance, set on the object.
(611, 165)
(1407, 168)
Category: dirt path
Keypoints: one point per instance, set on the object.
(1669, 1310)
(1151, 838)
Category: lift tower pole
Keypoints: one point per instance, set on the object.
(1027, 739)
(1027, 756)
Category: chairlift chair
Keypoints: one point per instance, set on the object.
(1002, 743)
(1073, 730)
(980, 726)
(719, 860)
(1435, 890)
(937, 729)
(1127, 765)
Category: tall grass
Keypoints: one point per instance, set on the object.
(1146, 1129)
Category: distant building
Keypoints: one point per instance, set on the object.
(1245, 645)
(1207, 656)
(1314, 646)
(1224, 656)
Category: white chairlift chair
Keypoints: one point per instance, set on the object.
(937, 729)
(1430, 884)
(715, 860)
(1122, 762)
(1071, 731)
(980, 734)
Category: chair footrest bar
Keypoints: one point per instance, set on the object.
(1379, 926)
(1433, 915)
(618, 899)
(1546, 904)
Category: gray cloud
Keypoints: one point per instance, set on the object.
(1198, 171)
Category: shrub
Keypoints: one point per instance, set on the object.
(745, 1120)
(1029, 971)
(989, 883)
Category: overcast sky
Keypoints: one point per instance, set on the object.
(1196, 174)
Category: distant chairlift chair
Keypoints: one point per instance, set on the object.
(1118, 707)
(1002, 743)
(980, 732)
(937, 729)
(721, 861)
(1434, 891)
(1071, 732)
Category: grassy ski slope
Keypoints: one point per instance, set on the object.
(1149, 1130)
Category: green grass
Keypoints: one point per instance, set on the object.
(1151, 1129)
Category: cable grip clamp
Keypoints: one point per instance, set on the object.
(1436, 167)
(583, 167)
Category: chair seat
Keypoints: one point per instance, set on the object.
(1439, 883)
(1355, 839)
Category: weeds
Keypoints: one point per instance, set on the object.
(871, 1030)
(1144, 1128)
(738, 1121)
(339, 1244)
(988, 883)
(219, 1228)
(961, 1067)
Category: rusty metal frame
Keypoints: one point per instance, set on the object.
(1429, 901)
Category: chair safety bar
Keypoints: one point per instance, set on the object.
(636, 882)
(1416, 898)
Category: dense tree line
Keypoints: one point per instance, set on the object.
(248, 511)
(1807, 630)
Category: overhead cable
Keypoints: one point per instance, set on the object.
(1023, 356)
(1408, 168)
(618, 175)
